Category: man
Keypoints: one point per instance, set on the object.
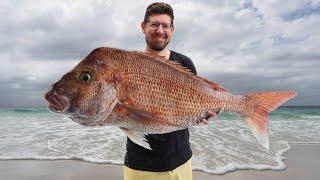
(171, 154)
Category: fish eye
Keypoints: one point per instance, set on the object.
(85, 77)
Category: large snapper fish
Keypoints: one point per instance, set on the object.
(147, 94)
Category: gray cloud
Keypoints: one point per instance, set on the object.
(307, 9)
(244, 45)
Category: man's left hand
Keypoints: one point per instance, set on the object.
(209, 115)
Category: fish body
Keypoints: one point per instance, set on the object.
(147, 94)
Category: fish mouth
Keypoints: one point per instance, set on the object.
(56, 103)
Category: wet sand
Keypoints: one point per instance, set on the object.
(302, 160)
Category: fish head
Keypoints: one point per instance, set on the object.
(87, 93)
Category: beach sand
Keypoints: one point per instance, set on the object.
(302, 160)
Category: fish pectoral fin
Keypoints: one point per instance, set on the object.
(144, 117)
(137, 137)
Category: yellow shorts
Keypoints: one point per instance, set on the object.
(183, 172)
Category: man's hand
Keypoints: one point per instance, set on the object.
(209, 115)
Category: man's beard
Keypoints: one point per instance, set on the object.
(157, 46)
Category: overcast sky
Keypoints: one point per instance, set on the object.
(245, 45)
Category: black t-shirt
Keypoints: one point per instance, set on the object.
(169, 150)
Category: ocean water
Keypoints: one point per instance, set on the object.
(224, 145)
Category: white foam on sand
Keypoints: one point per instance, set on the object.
(236, 166)
(84, 158)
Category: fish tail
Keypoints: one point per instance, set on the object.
(257, 109)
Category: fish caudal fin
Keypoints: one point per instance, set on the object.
(258, 107)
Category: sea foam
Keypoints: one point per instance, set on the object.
(225, 145)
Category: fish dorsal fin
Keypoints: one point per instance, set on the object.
(173, 64)
(154, 56)
(181, 68)
(214, 85)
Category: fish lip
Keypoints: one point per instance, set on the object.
(56, 102)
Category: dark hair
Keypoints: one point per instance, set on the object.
(158, 8)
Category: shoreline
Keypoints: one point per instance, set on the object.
(302, 162)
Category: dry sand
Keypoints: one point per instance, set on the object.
(303, 163)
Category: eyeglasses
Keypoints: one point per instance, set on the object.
(156, 25)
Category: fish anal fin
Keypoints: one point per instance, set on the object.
(137, 137)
